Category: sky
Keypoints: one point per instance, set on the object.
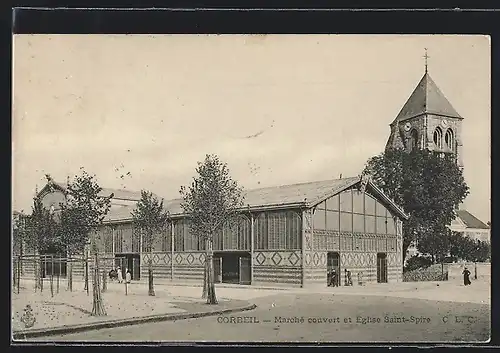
(278, 109)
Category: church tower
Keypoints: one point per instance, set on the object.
(427, 120)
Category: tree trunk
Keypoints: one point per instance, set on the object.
(52, 275)
(86, 274)
(151, 290)
(69, 274)
(19, 269)
(40, 274)
(211, 296)
(104, 283)
(14, 273)
(97, 303)
(205, 279)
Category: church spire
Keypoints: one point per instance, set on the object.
(426, 57)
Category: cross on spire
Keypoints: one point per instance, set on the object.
(426, 57)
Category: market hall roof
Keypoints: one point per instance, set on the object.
(303, 195)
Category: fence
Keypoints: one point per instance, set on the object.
(479, 270)
(60, 271)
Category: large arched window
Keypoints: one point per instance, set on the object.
(448, 139)
(438, 138)
(413, 140)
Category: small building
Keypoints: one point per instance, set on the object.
(470, 226)
(288, 235)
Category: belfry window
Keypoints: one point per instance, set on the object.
(413, 140)
(448, 139)
(438, 138)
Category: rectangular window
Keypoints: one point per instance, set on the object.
(369, 205)
(118, 239)
(281, 230)
(332, 203)
(217, 241)
(260, 229)
(319, 219)
(391, 226)
(381, 210)
(358, 223)
(201, 243)
(127, 234)
(108, 240)
(358, 202)
(293, 230)
(346, 201)
(165, 238)
(332, 220)
(370, 224)
(381, 225)
(345, 222)
(179, 236)
(273, 230)
(233, 235)
(228, 237)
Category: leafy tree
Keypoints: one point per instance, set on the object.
(81, 215)
(416, 262)
(40, 234)
(18, 236)
(480, 251)
(459, 246)
(428, 185)
(150, 218)
(436, 244)
(211, 202)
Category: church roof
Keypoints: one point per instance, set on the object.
(470, 220)
(427, 98)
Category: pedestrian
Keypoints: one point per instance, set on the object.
(360, 278)
(333, 278)
(119, 274)
(349, 279)
(466, 274)
(128, 276)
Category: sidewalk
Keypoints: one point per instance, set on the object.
(451, 291)
(181, 300)
(71, 311)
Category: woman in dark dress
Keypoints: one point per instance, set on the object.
(466, 274)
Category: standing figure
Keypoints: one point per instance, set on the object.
(333, 278)
(119, 274)
(466, 274)
(360, 278)
(349, 279)
(128, 276)
(329, 281)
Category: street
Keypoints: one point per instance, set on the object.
(292, 317)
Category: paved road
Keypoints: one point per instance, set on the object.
(326, 319)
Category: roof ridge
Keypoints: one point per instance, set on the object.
(303, 183)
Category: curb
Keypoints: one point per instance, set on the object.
(197, 285)
(61, 330)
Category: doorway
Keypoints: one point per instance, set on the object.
(333, 263)
(131, 262)
(232, 267)
(381, 268)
